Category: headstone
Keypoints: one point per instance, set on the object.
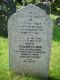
(30, 34)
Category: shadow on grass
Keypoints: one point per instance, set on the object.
(56, 33)
(5, 34)
(53, 78)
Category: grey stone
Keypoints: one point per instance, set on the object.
(30, 34)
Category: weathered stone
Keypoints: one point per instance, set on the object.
(30, 34)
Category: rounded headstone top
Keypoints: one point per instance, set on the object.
(31, 11)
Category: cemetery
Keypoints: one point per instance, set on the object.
(29, 40)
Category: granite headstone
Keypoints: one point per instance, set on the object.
(30, 34)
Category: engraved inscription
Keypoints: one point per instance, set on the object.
(31, 43)
(30, 35)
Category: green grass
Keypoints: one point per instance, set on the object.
(5, 74)
(54, 68)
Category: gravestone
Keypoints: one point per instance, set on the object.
(30, 34)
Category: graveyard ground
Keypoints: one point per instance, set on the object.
(54, 68)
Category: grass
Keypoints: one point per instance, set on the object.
(54, 68)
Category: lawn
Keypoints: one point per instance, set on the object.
(54, 67)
